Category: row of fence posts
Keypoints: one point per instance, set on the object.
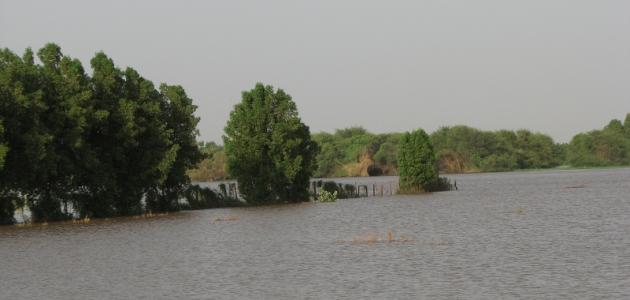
(362, 190)
(229, 191)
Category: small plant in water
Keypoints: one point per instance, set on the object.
(326, 196)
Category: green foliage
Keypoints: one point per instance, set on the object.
(212, 167)
(465, 149)
(99, 142)
(7, 208)
(269, 150)
(438, 184)
(417, 162)
(350, 151)
(607, 147)
(3, 146)
(326, 196)
(356, 152)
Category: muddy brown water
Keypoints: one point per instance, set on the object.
(554, 234)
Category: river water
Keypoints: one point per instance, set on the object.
(554, 234)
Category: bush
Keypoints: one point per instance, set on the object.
(343, 191)
(438, 185)
(417, 162)
(326, 196)
(269, 150)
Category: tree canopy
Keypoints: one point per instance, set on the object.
(99, 144)
(417, 164)
(609, 146)
(269, 150)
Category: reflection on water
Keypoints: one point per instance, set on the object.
(533, 235)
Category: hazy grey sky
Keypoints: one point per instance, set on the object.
(558, 67)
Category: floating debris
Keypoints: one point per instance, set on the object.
(579, 186)
(375, 238)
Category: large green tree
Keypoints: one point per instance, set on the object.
(183, 152)
(269, 150)
(103, 143)
(417, 164)
(27, 135)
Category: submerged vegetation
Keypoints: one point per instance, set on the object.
(111, 143)
(418, 166)
(269, 150)
(99, 145)
(326, 196)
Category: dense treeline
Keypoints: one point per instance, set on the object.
(609, 146)
(357, 152)
(466, 149)
(109, 144)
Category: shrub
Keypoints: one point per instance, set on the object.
(326, 196)
(417, 162)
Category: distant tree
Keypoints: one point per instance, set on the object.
(598, 148)
(328, 159)
(213, 165)
(461, 148)
(615, 126)
(416, 162)
(534, 150)
(269, 150)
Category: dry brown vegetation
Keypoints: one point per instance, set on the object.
(373, 238)
(226, 219)
(210, 169)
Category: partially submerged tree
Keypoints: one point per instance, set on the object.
(417, 164)
(102, 143)
(269, 150)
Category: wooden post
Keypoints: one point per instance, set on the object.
(232, 191)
